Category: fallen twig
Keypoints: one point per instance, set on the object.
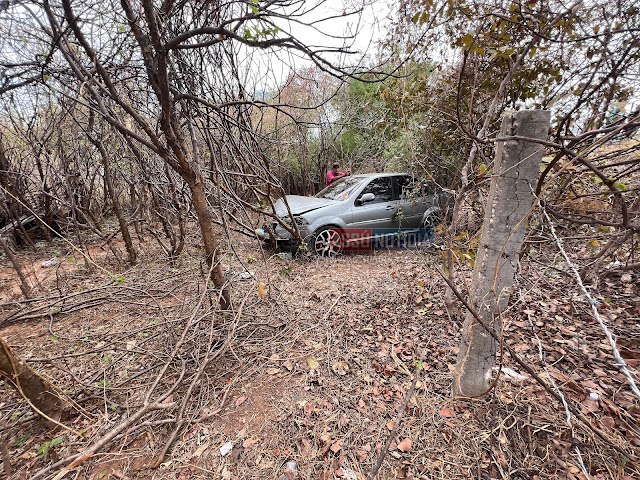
(530, 370)
(394, 432)
(619, 361)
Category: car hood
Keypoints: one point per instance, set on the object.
(299, 204)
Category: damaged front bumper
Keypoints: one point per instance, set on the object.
(275, 231)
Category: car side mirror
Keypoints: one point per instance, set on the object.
(367, 197)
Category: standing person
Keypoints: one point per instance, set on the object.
(335, 174)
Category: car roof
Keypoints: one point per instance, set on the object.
(372, 175)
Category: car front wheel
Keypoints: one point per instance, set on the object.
(327, 242)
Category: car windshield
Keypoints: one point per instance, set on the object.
(340, 190)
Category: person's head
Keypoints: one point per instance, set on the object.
(336, 166)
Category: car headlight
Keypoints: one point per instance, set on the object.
(300, 221)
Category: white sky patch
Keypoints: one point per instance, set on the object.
(354, 26)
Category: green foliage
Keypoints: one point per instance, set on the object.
(43, 450)
(349, 142)
(293, 162)
(404, 146)
(365, 92)
(403, 123)
(563, 64)
(258, 33)
(286, 271)
(21, 440)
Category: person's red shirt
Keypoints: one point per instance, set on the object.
(331, 176)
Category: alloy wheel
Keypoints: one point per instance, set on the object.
(328, 243)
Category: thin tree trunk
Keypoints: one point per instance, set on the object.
(45, 202)
(24, 284)
(509, 204)
(16, 202)
(210, 240)
(124, 229)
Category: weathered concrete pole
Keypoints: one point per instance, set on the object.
(515, 171)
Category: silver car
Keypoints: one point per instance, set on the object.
(356, 211)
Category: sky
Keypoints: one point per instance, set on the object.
(355, 25)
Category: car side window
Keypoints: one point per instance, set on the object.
(406, 187)
(410, 188)
(381, 188)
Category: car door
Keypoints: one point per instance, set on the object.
(378, 213)
(411, 202)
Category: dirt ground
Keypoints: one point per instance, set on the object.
(314, 372)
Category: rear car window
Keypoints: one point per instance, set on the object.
(407, 186)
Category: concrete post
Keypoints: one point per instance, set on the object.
(509, 203)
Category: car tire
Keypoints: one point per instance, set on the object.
(432, 218)
(327, 242)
